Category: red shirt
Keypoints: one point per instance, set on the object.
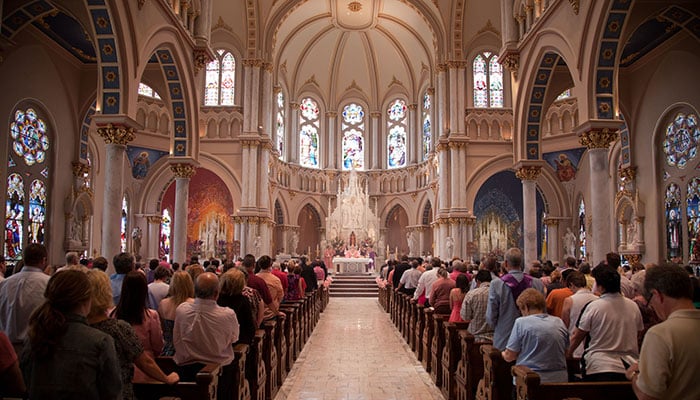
(283, 278)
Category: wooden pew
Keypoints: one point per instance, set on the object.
(451, 355)
(281, 347)
(290, 329)
(470, 368)
(528, 387)
(412, 323)
(406, 331)
(204, 386)
(255, 367)
(427, 338)
(420, 328)
(270, 357)
(497, 383)
(240, 383)
(437, 346)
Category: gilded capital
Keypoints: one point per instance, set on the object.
(294, 106)
(183, 170)
(551, 222)
(412, 107)
(598, 138)
(628, 174)
(116, 134)
(201, 59)
(528, 173)
(331, 114)
(154, 219)
(375, 114)
(80, 169)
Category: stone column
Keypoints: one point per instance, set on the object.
(509, 26)
(442, 124)
(528, 174)
(263, 187)
(183, 172)
(293, 138)
(153, 235)
(455, 174)
(443, 232)
(470, 221)
(202, 24)
(116, 138)
(251, 95)
(333, 148)
(553, 250)
(268, 100)
(443, 201)
(597, 137)
(376, 134)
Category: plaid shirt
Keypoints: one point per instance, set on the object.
(474, 310)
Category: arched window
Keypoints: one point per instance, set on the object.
(352, 127)
(145, 90)
(308, 133)
(582, 229)
(164, 242)
(564, 95)
(124, 223)
(488, 81)
(220, 80)
(682, 196)
(427, 132)
(27, 183)
(396, 139)
(279, 141)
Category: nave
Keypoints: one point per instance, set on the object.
(355, 352)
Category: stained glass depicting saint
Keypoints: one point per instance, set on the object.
(164, 242)
(672, 204)
(353, 142)
(280, 124)
(37, 212)
(693, 210)
(308, 134)
(397, 147)
(480, 85)
(14, 217)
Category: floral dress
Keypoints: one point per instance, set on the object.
(128, 347)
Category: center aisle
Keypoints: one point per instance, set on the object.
(356, 353)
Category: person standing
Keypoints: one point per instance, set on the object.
(22, 293)
(475, 305)
(574, 304)
(670, 357)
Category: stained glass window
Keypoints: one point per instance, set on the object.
(672, 204)
(693, 211)
(220, 80)
(308, 133)
(280, 125)
(564, 95)
(487, 74)
(427, 132)
(396, 140)
(352, 127)
(682, 137)
(27, 192)
(582, 229)
(165, 225)
(123, 224)
(145, 90)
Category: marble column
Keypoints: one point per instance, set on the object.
(509, 26)
(183, 172)
(202, 23)
(470, 221)
(251, 95)
(267, 98)
(293, 137)
(264, 187)
(455, 174)
(442, 125)
(443, 229)
(334, 147)
(376, 134)
(553, 250)
(597, 139)
(528, 174)
(116, 138)
(443, 200)
(153, 236)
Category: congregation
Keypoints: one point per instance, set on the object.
(75, 331)
(564, 324)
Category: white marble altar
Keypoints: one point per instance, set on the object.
(350, 264)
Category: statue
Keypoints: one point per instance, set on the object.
(136, 236)
(631, 233)
(293, 243)
(257, 244)
(412, 242)
(569, 244)
(450, 245)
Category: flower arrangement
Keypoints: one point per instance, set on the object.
(338, 245)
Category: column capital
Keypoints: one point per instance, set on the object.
(549, 221)
(183, 170)
(154, 219)
(412, 107)
(510, 59)
(293, 105)
(375, 114)
(528, 170)
(598, 134)
(627, 174)
(116, 134)
(253, 62)
(431, 91)
(202, 56)
(331, 114)
(80, 169)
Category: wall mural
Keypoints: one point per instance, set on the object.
(498, 208)
(565, 163)
(141, 160)
(210, 206)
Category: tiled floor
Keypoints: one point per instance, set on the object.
(356, 353)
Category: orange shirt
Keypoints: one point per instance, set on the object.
(555, 301)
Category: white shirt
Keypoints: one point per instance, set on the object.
(157, 291)
(578, 300)
(204, 332)
(426, 282)
(20, 295)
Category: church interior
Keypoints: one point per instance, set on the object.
(450, 128)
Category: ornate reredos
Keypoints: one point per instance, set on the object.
(352, 214)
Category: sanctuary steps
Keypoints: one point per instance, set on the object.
(354, 285)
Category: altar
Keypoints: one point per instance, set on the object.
(356, 265)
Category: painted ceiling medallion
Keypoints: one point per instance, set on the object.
(354, 6)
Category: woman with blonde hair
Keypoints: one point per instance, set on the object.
(181, 290)
(130, 352)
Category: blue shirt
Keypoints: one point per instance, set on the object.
(501, 311)
(116, 281)
(541, 341)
